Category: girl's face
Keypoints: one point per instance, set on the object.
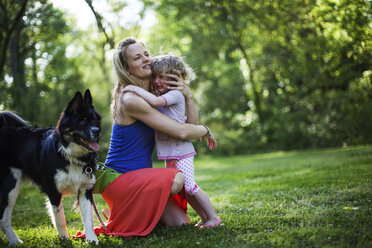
(160, 84)
(138, 61)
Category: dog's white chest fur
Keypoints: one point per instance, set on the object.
(73, 181)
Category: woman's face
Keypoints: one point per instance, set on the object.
(139, 63)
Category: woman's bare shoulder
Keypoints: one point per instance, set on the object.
(132, 102)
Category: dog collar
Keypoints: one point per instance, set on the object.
(88, 170)
(90, 162)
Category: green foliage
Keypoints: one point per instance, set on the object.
(45, 76)
(271, 74)
(314, 198)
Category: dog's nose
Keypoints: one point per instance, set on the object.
(95, 131)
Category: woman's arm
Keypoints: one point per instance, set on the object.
(139, 109)
(154, 101)
(211, 140)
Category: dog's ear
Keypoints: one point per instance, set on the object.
(88, 98)
(75, 103)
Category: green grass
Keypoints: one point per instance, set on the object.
(316, 198)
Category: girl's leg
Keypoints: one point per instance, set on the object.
(196, 197)
(196, 206)
(201, 201)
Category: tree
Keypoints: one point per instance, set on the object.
(98, 17)
(38, 73)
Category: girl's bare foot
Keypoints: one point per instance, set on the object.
(212, 223)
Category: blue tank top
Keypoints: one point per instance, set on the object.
(131, 147)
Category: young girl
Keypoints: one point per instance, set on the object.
(178, 154)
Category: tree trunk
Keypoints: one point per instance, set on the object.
(17, 70)
(8, 27)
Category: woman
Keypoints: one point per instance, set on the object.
(140, 198)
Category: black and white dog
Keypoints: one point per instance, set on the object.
(60, 160)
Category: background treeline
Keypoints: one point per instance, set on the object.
(279, 74)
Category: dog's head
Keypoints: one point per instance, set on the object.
(80, 124)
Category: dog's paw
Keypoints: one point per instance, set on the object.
(15, 241)
(92, 241)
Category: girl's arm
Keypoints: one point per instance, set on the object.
(154, 101)
(137, 108)
(192, 113)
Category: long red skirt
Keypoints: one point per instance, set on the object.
(137, 200)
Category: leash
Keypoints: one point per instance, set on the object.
(98, 215)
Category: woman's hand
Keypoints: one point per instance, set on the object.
(176, 82)
(211, 140)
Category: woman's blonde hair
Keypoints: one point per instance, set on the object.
(124, 78)
(167, 63)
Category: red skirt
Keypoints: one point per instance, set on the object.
(137, 200)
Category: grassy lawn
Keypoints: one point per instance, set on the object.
(315, 198)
